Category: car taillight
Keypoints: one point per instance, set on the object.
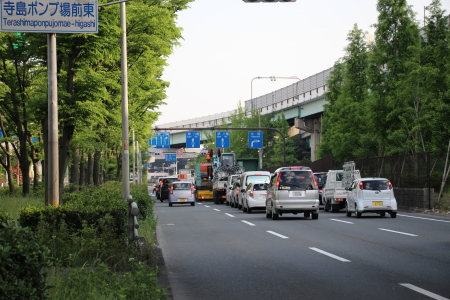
(390, 185)
(192, 189)
(361, 185)
(251, 193)
(171, 189)
(278, 180)
(315, 180)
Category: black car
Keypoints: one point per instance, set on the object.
(164, 187)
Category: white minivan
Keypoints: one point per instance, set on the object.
(247, 178)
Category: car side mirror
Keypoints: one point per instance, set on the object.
(243, 190)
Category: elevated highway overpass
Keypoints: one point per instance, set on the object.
(301, 102)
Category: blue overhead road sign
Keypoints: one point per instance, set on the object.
(222, 139)
(193, 139)
(255, 139)
(171, 157)
(152, 142)
(163, 140)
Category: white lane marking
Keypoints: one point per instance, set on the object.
(216, 209)
(342, 221)
(329, 254)
(251, 224)
(277, 234)
(229, 215)
(424, 218)
(206, 206)
(199, 203)
(422, 291)
(410, 234)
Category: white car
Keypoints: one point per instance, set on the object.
(374, 195)
(255, 196)
(248, 177)
(182, 192)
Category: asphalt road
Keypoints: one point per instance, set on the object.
(218, 252)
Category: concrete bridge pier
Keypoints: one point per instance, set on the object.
(312, 128)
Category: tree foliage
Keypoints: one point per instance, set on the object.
(392, 96)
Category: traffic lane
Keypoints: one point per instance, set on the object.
(293, 258)
(362, 240)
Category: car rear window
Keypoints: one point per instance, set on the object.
(299, 179)
(375, 185)
(253, 178)
(181, 186)
(260, 187)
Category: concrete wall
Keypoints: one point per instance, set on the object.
(413, 199)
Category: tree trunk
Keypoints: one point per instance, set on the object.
(82, 171)
(96, 167)
(75, 171)
(89, 169)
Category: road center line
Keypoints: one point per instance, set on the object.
(206, 206)
(246, 222)
(424, 218)
(216, 209)
(422, 291)
(230, 215)
(329, 254)
(277, 234)
(342, 221)
(410, 234)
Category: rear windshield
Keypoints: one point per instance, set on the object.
(321, 178)
(181, 186)
(167, 181)
(339, 176)
(260, 187)
(375, 185)
(253, 178)
(297, 179)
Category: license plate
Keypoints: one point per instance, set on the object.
(182, 200)
(297, 194)
(377, 203)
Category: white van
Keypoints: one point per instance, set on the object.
(334, 194)
(247, 178)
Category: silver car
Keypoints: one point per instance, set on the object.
(229, 193)
(292, 190)
(182, 192)
(375, 195)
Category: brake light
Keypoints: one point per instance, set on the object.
(390, 185)
(192, 189)
(251, 193)
(278, 180)
(171, 189)
(361, 185)
(296, 167)
(315, 180)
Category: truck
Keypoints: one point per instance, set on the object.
(203, 177)
(223, 165)
(334, 195)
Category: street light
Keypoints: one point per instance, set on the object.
(253, 106)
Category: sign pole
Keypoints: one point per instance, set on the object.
(53, 157)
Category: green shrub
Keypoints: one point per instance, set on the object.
(23, 263)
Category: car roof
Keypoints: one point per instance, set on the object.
(181, 182)
(371, 179)
(293, 168)
(259, 182)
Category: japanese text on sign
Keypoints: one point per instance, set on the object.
(49, 16)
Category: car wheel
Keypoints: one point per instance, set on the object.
(274, 216)
(249, 210)
(239, 206)
(334, 208)
(394, 214)
(357, 213)
(315, 216)
(193, 204)
(244, 209)
(382, 214)
(347, 213)
(162, 200)
(326, 206)
(170, 204)
(227, 203)
(307, 214)
(268, 214)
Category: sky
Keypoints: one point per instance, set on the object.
(227, 43)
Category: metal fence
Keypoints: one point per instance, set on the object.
(407, 170)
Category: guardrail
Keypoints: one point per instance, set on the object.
(133, 225)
